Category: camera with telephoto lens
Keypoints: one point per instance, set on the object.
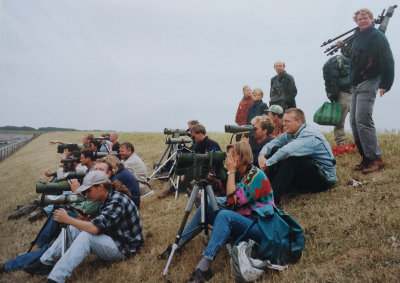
(102, 138)
(68, 163)
(201, 164)
(71, 147)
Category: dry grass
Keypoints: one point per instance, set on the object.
(349, 230)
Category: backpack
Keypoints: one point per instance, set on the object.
(282, 239)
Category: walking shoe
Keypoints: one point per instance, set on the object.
(149, 193)
(198, 276)
(166, 193)
(373, 166)
(37, 215)
(51, 280)
(363, 164)
(37, 267)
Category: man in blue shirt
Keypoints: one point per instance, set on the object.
(299, 159)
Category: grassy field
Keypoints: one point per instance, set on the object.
(352, 233)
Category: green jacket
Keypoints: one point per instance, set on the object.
(336, 76)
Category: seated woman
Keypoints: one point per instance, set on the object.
(247, 188)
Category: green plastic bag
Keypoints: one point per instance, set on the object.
(328, 114)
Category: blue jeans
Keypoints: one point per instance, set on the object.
(25, 259)
(227, 223)
(362, 125)
(83, 244)
(51, 230)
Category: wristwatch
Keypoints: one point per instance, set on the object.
(230, 172)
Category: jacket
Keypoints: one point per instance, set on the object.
(336, 76)
(307, 141)
(283, 88)
(258, 108)
(371, 57)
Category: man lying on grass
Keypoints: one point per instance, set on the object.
(115, 234)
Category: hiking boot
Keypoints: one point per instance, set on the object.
(2, 266)
(166, 193)
(37, 215)
(363, 164)
(37, 267)
(373, 166)
(22, 210)
(198, 276)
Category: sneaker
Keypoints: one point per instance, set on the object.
(37, 267)
(198, 276)
(363, 164)
(373, 166)
(150, 193)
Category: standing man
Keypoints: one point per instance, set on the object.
(244, 104)
(133, 163)
(371, 68)
(283, 89)
(336, 76)
(300, 159)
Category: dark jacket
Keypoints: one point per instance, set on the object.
(129, 180)
(256, 147)
(283, 91)
(336, 76)
(256, 109)
(206, 145)
(371, 57)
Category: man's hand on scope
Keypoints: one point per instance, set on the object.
(262, 162)
(74, 185)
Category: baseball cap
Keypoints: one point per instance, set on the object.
(275, 109)
(92, 178)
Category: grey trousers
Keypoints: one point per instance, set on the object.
(362, 125)
(340, 135)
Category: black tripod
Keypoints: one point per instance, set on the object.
(65, 232)
(205, 188)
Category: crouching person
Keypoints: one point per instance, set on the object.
(114, 235)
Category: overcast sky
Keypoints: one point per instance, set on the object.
(129, 65)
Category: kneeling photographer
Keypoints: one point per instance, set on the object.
(114, 235)
(247, 188)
